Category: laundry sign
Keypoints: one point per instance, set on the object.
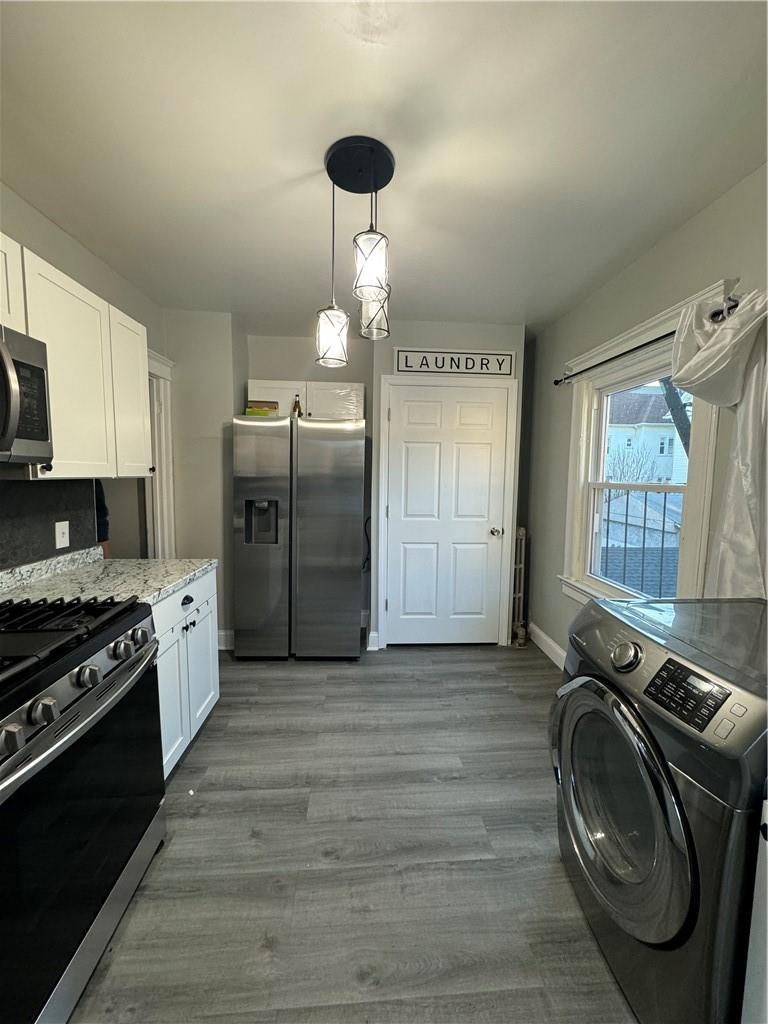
(483, 364)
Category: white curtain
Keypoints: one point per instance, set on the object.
(725, 364)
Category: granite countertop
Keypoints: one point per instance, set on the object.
(150, 579)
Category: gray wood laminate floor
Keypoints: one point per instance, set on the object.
(371, 843)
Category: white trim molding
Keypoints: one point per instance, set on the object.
(547, 645)
(159, 366)
(373, 641)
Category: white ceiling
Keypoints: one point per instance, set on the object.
(540, 147)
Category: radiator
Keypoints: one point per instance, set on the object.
(519, 632)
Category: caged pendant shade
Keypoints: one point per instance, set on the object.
(371, 265)
(331, 338)
(332, 322)
(374, 318)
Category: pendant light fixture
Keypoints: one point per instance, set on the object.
(361, 164)
(332, 322)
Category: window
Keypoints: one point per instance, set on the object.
(640, 476)
(635, 538)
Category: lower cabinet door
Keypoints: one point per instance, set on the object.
(202, 662)
(174, 696)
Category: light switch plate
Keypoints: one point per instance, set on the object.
(62, 534)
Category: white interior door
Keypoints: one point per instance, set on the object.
(447, 455)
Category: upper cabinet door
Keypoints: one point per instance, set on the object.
(12, 311)
(130, 378)
(329, 401)
(74, 324)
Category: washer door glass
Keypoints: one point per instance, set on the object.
(616, 812)
(623, 814)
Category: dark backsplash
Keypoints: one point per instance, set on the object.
(28, 511)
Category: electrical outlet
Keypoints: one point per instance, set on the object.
(62, 534)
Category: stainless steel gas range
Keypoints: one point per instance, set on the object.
(81, 791)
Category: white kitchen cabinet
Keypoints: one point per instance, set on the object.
(12, 309)
(202, 663)
(322, 400)
(74, 324)
(327, 400)
(97, 376)
(174, 696)
(281, 391)
(188, 663)
(130, 390)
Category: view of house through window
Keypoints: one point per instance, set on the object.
(638, 487)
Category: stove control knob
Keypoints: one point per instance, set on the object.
(121, 650)
(12, 739)
(141, 636)
(626, 656)
(43, 711)
(88, 676)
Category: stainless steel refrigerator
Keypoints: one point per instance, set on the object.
(298, 520)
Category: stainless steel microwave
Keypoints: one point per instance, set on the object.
(25, 418)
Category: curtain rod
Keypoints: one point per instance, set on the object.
(568, 377)
(717, 316)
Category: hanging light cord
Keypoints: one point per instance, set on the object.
(373, 168)
(333, 244)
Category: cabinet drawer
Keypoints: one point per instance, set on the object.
(175, 608)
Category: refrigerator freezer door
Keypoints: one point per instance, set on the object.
(262, 495)
(328, 538)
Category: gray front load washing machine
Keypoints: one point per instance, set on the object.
(658, 739)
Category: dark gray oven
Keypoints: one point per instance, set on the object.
(81, 792)
(25, 419)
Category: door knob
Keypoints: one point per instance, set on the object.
(495, 531)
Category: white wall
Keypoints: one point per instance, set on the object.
(727, 239)
(277, 358)
(32, 229)
(127, 529)
(204, 374)
(429, 335)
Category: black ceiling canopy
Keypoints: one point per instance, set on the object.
(359, 164)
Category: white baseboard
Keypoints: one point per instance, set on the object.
(546, 644)
(373, 641)
(226, 639)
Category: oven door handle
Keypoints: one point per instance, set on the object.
(133, 671)
(8, 430)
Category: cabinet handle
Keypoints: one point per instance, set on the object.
(151, 469)
(184, 629)
(186, 600)
(193, 623)
(46, 467)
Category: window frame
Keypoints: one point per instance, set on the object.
(634, 368)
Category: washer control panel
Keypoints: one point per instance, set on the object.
(686, 695)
